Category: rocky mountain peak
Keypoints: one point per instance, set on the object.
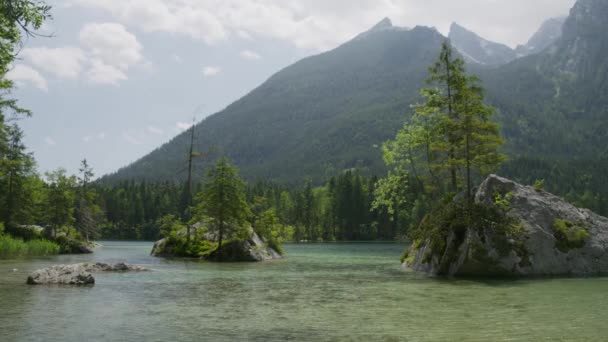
(548, 33)
(476, 49)
(384, 24)
(587, 18)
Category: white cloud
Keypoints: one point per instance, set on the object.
(210, 71)
(113, 51)
(131, 139)
(87, 138)
(106, 54)
(50, 141)
(101, 135)
(66, 62)
(111, 43)
(102, 73)
(322, 24)
(22, 73)
(176, 58)
(252, 55)
(182, 126)
(155, 130)
(244, 35)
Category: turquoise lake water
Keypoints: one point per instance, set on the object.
(320, 292)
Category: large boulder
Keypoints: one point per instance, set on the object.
(77, 274)
(547, 237)
(252, 249)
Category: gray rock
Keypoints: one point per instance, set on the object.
(62, 275)
(534, 251)
(77, 274)
(118, 267)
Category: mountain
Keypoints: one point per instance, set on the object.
(329, 112)
(317, 117)
(478, 50)
(549, 32)
(552, 104)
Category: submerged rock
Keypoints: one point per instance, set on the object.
(252, 249)
(118, 267)
(77, 274)
(548, 237)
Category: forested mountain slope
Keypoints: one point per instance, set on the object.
(327, 113)
(553, 104)
(314, 118)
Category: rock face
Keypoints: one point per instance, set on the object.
(251, 250)
(553, 238)
(77, 274)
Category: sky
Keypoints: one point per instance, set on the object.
(118, 78)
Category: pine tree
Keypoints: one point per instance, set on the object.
(17, 166)
(86, 212)
(223, 202)
(480, 138)
(449, 140)
(60, 199)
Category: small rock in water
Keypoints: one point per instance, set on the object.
(15, 270)
(77, 274)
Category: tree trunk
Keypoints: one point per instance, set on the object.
(220, 240)
(451, 115)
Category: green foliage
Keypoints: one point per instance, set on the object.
(14, 248)
(222, 201)
(456, 217)
(569, 235)
(449, 139)
(503, 201)
(539, 184)
(170, 225)
(60, 199)
(267, 225)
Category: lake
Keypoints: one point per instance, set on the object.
(320, 292)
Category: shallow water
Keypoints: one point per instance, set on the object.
(320, 292)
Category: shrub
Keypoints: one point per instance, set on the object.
(503, 202)
(569, 235)
(14, 248)
(539, 185)
(276, 245)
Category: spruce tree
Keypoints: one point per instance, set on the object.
(223, 202)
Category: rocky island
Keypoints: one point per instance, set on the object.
(250, 248)
(541, 235)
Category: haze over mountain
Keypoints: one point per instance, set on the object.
(329, 112)
(478, 50)
(549, 33)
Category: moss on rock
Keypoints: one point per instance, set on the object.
(569, 235)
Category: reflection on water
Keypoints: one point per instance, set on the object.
(320, 292)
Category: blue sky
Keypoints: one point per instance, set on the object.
(121, 77)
